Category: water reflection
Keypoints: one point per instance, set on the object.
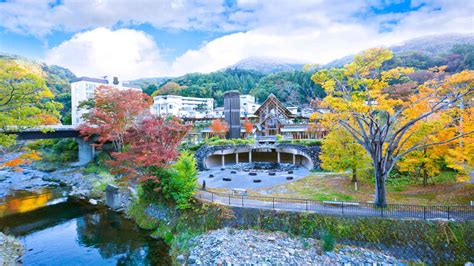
(115, 237)
(22, 201)
(72, 233)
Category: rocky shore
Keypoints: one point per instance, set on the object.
(11, 250)
(37, 176)
(230, 247)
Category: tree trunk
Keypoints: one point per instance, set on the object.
(381, 173)
(425, 177)
(380, 197)
(354, 174)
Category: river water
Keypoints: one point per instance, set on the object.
(57, 230)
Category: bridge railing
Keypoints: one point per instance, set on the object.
(340, 207)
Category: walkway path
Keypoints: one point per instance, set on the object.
(340, 208)
(242, 179)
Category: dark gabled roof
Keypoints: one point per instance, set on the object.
(96, 80)
(273, 99)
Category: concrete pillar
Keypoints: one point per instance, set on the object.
(86, 151)
(278, 156)
(294, 158)
(112, 197)
(250, 156)
(237, 158)
(223, 160)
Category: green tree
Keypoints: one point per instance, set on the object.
(25, 100)
(183, 180)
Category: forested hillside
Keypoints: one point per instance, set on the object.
(293, 87)
(58, 79)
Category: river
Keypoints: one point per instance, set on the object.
(58, 230)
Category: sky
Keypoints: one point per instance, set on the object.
(158, 38)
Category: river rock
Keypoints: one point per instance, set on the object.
(11, 250)
(250, 247)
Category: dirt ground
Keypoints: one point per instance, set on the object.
(336, 186)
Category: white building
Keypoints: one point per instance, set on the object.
(248, 106)
(182, 106)
(293, 109)
(83, 88)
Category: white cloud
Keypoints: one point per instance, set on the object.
(307, 31)
(126, 53)
(315, 32)
(41, 17)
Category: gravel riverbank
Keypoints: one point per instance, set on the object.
(11, 250)
(229, 247)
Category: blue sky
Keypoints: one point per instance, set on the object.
(168, 38)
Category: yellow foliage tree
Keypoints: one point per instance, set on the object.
(360, 98)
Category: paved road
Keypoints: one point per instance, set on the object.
(301, 205)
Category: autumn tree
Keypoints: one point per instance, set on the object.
(112, 113)
(357, 96)
(340, 152)
(151, 142)
(460, 153)
(169, 88)
(248, 126)
(219, 128)
(25, 101)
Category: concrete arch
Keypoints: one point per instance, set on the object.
(221, 156)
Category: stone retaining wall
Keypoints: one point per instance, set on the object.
(433, 242)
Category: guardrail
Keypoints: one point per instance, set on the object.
(340, 207)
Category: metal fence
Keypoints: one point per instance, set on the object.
(340, 207)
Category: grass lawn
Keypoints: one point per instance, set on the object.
(337, 186)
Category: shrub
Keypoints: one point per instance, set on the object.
(230, 142)
(328, 241)
(137, 212)
(56, 150)
(99, 185)
(304, 142)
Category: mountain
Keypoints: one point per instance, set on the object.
(427, 46)
(433, 44)
(58, 79)
(267, 65)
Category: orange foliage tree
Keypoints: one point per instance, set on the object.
(248, 127)
(358, 96)
(219, 128)
(113, 113)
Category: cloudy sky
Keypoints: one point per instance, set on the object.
(152, 38)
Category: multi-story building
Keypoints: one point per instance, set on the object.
(248, 105)
(182, 106)
(83, 88)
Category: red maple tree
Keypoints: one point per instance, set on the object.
(113, 113)
(248, 127)
(151, 142)
(219, 128)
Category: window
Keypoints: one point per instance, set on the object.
(170, 106)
